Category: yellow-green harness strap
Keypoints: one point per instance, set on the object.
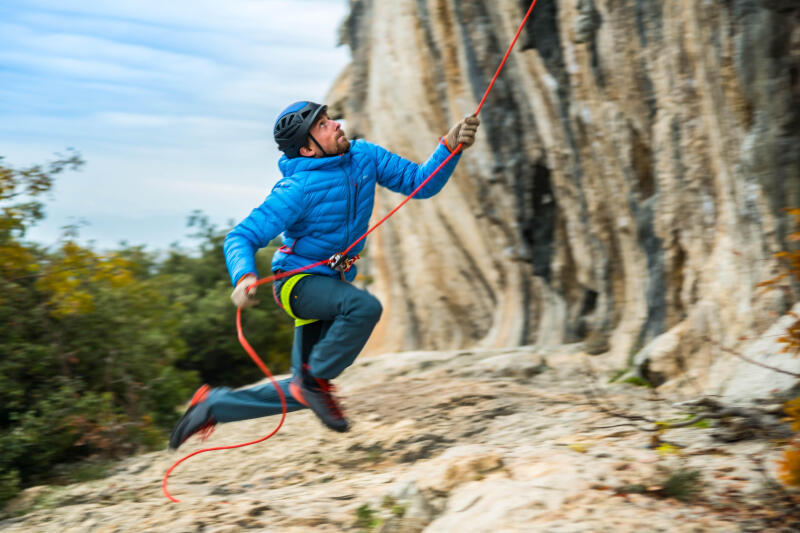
(286, 302)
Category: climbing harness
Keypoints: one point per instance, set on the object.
(338, 262)
(285, 302)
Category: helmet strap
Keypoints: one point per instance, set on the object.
(326, 154)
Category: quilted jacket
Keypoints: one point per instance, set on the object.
(323, 204)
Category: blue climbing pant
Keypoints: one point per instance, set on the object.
(344, 319)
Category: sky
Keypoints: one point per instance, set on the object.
(170, 103)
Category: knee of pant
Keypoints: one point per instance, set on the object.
(370, 308)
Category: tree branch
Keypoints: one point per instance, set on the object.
(751, 361)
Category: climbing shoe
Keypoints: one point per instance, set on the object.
(319, 396)
(196, 420)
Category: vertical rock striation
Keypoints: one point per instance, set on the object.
(626, 186)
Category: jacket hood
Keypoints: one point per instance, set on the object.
(294, 165)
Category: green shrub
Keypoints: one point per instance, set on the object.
(98, 349)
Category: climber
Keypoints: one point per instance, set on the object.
(321, 205)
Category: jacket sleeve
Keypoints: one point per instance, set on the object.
(283, 206)
(401, 175)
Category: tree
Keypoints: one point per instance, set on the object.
(88, 343)
(207, 325)
(99, 350)
(789, 470)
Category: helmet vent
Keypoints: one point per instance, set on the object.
(293, 124)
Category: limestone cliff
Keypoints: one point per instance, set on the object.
(627, 182)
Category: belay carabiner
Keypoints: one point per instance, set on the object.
(341, 262)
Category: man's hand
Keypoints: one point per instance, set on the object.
(462, 133)
(240, 296)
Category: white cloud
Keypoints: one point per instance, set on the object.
(194, 123)
(170, 103)
(272, 20)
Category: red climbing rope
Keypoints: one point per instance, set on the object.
(249, 349)
(503, 62)
(243, 341)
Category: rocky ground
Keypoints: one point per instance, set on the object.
(467, 441)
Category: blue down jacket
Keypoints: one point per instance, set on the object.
(323, 204)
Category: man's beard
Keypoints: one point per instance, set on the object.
(342, 146)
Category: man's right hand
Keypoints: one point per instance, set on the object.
(240, 296)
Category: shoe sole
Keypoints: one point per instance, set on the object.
(297, 393)
(199, 396)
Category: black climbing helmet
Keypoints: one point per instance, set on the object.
(293, 124)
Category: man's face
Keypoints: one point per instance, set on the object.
(329, 134)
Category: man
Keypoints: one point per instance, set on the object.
(322, 204)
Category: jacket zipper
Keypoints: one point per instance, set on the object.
(347, 220)
(355, 205)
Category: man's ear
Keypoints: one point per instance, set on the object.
(305, 151)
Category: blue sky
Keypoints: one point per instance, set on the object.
(171, 104)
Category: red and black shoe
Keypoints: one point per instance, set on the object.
(196, 420)
(319, 396)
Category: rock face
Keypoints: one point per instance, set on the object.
(627, 181)
(478, 441)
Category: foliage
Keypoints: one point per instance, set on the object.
(682, 484)
(789, 466)
(393, 507)
(207, 323)
(638, 381)
(367, 518)
(99, 349)
(791, 259)
(20, 192)
(665, 448)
